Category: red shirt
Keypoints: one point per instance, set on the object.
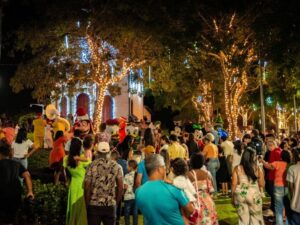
(275, 155)
(58, 152)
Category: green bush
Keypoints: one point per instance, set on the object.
(39, 160)
(49, 206)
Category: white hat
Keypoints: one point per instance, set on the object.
(210, 137)
(103, 147)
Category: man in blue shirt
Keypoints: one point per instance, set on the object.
(160, 202)
(142, 176)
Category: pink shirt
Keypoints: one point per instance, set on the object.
(280, 173)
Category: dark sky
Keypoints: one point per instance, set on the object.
(11, 103)
(15, 12)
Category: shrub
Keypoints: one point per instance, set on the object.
(48, 207)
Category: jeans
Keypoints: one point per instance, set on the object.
(270, 191)
(24, 162)
(213, 165)
(104, 214)
(130, 207)
(279, 194)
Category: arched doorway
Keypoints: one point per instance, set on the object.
(63, 106)
(107, 112)
(83, 101)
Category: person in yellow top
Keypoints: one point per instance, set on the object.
(175, 149)
(210, 153)
(39, 130)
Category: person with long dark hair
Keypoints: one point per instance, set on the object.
(21, 147)
(247, 184)
(76, 209)
(125, 148)
(202, 181)
(149, 138)
(192, 145)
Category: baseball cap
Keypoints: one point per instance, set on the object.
(149, 149)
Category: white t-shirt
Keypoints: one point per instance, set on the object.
(20, 150)
(293, 176)
(227, 147)
(186, 185)
(236, 159)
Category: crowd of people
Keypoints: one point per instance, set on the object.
(170, 179)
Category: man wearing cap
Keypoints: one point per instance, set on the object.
(103, 187)
(142, 176)
(210, 153)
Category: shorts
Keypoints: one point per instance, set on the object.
(57, 166)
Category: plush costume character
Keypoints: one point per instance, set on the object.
(122, 129)
(58, 122)
(83, 123)
(112, 128)
(176, 131)
(132, 130)
(198, 135)
(39, 130)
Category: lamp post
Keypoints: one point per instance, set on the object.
(262, 101)
(295, 114)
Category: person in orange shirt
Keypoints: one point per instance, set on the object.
(210, 153)
(280, 185)
(57, 155)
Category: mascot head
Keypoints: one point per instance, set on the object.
(83, 122)
(197, 131)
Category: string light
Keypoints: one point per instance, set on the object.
(102, 73)
(235, 77)
(205, 106)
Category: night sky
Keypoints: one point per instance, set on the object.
(11, 103)
(14, 13)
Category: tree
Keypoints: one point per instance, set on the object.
(230, 42)
(204, 102)
(78, 47)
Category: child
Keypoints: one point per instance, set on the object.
(88, 144)
(180, 170)
(129, 196)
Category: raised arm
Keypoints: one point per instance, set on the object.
(28, 182)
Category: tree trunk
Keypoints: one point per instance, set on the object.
(99, 107)
(231, 111)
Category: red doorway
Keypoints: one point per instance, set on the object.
(107, 112)
(83, 101)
